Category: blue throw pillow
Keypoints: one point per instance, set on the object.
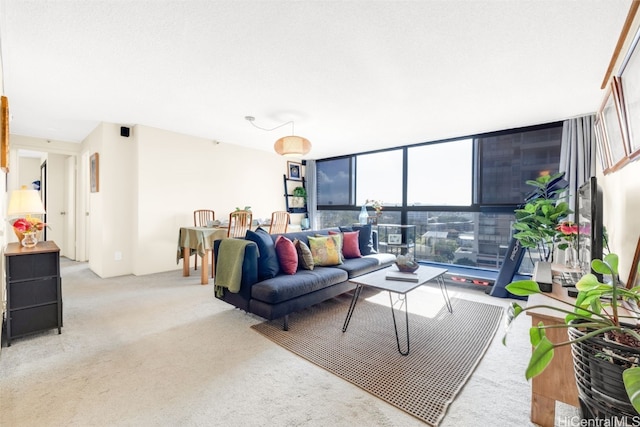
(268, 266)
(365, 240)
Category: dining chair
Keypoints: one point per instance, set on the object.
(279, 222)
(239, 223)
(202, 218)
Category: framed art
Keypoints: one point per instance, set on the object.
(610, 117)
(94, 171)
(634, 277)
(394, 239)
(601, 146)
(628, 84)
(295, 171)
(4, 135)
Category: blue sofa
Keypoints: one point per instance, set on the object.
(277, 297)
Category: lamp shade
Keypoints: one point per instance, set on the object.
(25, 202)
(292, 146)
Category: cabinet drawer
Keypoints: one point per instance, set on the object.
(32, 266)
(33, 319)
(32, 292)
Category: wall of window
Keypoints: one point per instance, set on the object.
(460, 193)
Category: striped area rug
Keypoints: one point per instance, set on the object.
(445, 349)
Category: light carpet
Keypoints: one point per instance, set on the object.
(444, 349)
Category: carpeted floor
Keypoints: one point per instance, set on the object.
(445, 349)
(160, 350)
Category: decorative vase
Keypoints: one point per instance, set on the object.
(571, 257)
(29, 240)
(364, 215)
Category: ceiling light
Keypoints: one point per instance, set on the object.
(294, 146)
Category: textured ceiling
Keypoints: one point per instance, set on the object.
(354, 75)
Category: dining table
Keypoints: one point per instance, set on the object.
(199, 239)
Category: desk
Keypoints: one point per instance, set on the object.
(557, 382)
(200, 239)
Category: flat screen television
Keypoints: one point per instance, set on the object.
(590, 224)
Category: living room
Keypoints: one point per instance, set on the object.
(153, 179)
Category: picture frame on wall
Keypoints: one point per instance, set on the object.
(4, 135)
(610, 116)
(94, 172)
(634, 274)
(628, 84)
(601, 146)
(294, 171)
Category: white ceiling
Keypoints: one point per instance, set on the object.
(354, 75)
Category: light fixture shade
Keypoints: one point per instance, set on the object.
(25, 202)
(292, 146)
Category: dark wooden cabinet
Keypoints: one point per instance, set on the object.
(34, 291)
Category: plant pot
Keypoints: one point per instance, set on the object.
(598, 366)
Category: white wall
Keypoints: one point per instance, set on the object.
(177, 174)
(621, 194)
(150, 184)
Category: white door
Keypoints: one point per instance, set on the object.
(69, 216)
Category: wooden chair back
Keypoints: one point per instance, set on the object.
(279, 222)
(239, 223)
(202, 217)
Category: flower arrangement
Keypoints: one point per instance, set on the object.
(28, 225)
(375, 204)
(568, 231)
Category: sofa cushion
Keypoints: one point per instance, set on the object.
(350, 244)
(305, 257)
(268, 265)
(365, 238)
(287, 255)
(285, 287)
(358, 266)
(326, 250)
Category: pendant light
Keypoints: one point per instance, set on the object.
(290, 146)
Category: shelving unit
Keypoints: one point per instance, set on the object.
(397, 239)
(34, 292)
(289, 185)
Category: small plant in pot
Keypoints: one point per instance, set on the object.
(597, 331)
(300, 193)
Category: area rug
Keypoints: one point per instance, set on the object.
(445, 349)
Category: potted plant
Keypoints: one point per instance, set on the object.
(537, 221)
(605, 344)
(300, 194)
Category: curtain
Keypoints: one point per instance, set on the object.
(577, 153)
(312, 194)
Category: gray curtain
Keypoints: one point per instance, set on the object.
(312, 194)
(578, 153)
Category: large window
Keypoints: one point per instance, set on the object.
(459, 193)
(379, 177)
(440, 174)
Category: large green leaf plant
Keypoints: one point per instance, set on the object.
(537, 221)
(597, 308)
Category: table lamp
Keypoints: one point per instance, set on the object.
(24, 202)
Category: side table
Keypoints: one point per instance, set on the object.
(34, 291)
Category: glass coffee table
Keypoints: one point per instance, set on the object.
(378, 280)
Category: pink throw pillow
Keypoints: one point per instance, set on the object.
(350, 245)
(287, 255)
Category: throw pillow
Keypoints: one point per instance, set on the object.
(350, 244)
(287, 255)
(268, 265)
(365, 239)
(325, 250)
(305, 257)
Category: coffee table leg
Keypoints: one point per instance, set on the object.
(445, 294)
(354, 300)
(402, 298)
